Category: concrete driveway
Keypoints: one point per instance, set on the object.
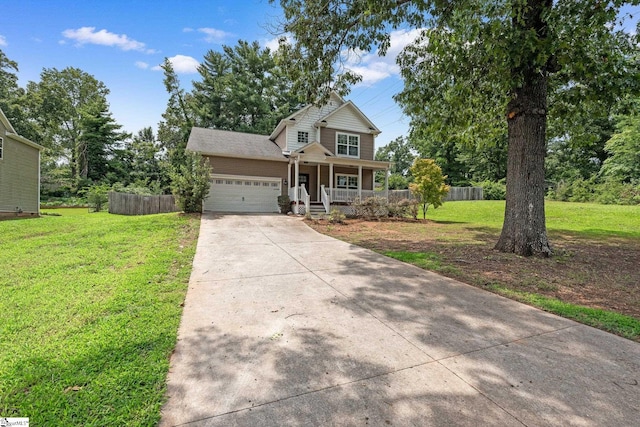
(285, 326)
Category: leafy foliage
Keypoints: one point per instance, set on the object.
(428, 184)
(190, 182)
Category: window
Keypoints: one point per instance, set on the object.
(1, 148)
(303, 138)
(350, 182)
(348, 145)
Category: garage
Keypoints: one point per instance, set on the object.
(232, 193)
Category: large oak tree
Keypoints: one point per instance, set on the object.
(484, 62)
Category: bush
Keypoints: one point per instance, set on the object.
(285, 204)
(492, 190)
(98, 197)
(608, 192)
(403, 208)
(371, 207)
(336, 216)
(190, 182)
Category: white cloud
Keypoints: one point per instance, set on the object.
(373, 67)
(213, 35)
(182, 64)
(3, 41)
(142, 65)
(188, 30)
(89, 35)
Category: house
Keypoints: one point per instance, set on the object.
(19, 172)
(319, 156)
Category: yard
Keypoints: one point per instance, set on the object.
(594, 276)
(89, 311)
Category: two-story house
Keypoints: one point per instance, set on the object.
(19, 172)
(319, 156)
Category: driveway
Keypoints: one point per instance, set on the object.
(285, 326)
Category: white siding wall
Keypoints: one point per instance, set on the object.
(306, 120)
(346, 119)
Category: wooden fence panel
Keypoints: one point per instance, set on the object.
(455, 193)
(135, 204)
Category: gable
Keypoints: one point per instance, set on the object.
(348, 117)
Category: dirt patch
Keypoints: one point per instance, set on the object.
(600, 274)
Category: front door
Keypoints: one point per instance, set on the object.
(303, 179)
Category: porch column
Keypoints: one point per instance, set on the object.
(386, 182)
(297, 178)
(360, 182)
(331, 182)
(289, 178)
(318, 196)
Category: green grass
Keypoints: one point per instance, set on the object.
(427, 260)
(616, 323)
(588, 219)
(89, 310)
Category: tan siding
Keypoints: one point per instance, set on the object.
(328, 140)
(248, 167)
(18, 176)
(281, 139)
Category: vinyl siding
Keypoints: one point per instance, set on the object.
(346, 118)
(19, 174)
(305, 122)
(328, 140)
(248, 167)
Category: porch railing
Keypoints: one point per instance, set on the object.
(348, 196)
(303, 197)
(325, 199)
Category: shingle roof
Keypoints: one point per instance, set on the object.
(226, 143)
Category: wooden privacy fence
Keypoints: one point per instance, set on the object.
(135, 204)
(455, 193)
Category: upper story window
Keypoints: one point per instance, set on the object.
(1, 147)
(348, 145)
(303, 138)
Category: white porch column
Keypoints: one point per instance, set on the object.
(297, 178)
(386, 182)
(318, 185)
(330, 181)
(289, 178)
(360, 182)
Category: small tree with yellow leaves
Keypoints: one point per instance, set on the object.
(428, 184)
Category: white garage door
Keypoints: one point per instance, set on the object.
(243, 194)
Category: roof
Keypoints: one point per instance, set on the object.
(224, 143)
(11, 132)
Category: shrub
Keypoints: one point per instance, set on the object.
(403, 208)
(371, 207)
(190, 182)
(285, 204)
(492, 190)
(98, 197)
(336, 216)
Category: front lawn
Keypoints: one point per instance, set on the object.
(593, 276)
(89, 311)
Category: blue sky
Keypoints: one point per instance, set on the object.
(121, 43)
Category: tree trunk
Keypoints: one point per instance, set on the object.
(524, 231)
